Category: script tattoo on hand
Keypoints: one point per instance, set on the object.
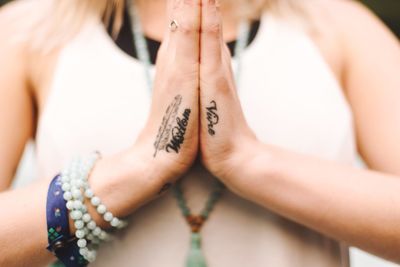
(212, 117)
(167, 124)
(178, 132)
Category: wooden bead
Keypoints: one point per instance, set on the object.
(195, 222)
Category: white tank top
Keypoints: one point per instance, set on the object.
(99, 100)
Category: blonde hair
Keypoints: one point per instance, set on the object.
(51, 23)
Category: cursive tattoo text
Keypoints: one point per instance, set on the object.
(212, 117)
(167, 124)
(178, 132)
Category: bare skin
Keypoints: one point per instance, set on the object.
(114, 179)
(359, 205)
(348, 204)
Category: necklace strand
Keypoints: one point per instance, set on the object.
(195, 257)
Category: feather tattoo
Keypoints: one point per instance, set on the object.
(167, 124)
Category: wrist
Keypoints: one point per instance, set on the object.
(250, 166)
(86, 209)
(116, 179)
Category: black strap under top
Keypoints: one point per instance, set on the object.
(125, 39)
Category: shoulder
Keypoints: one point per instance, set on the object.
(350, 30)
(18, 21)
(20, 14)
(346, 17)
(360, 32)
(352, 23)
(13, 50)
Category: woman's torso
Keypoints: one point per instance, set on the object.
(98, 100)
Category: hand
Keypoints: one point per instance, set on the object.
(168, 144)
(226, 140)
(170, 138)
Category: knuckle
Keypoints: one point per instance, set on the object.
(190, 2)
(188, 26)
(179, 77)
(212, 27)
(218, 81)
(176, 4)
(223, 86)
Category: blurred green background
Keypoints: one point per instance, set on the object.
(388, 10)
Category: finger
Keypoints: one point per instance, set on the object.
(211, 33)
(183, 42)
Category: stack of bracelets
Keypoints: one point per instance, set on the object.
(66, 196)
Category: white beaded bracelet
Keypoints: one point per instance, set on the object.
(96, 202)
(75, 205)
(74, 182)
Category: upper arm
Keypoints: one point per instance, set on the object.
(372, 81)
(16, 105)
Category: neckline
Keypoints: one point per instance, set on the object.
(124, 42)
(265, 19)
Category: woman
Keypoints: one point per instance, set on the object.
(311, 88)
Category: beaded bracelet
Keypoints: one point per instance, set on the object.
(61, 243)
(76, 187)
(96, 202)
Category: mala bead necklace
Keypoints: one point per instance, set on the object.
(195, 257)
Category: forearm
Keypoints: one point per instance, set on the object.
(23, 225)
(23, 235)
(359, 207)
